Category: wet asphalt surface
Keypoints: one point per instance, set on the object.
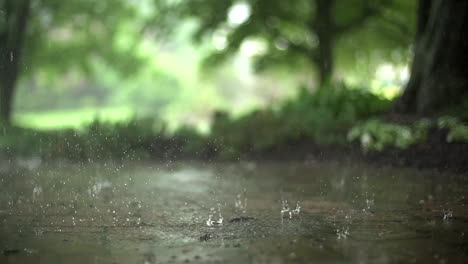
(160, 213)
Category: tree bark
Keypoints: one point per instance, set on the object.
(439, 72)
(324, 26)
(12, 36)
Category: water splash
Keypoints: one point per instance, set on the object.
(241, 202)
(286, 211)
(297, 210)
(448, 214)
(215, 218)
(342, 232)
(38, 231)
(369, 203)
(98, 187)
(37, 193)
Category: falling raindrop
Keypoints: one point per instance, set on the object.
(215, 218)
(285, 209)
(37, 192)
(369, 203)
(241, 202)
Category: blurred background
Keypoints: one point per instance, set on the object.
(84, 79)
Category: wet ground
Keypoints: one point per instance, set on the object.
(230, 213)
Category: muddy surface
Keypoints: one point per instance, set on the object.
(241, 212)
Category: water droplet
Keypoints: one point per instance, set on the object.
(37, 193)
(285, 208)
(343, 232)
(287, 211)
(448, 214)
(297, 210)
(214, 220)
(241, 202)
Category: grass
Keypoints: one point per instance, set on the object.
(72, 118)
(79, 118)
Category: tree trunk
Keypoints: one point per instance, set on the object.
(439, 72)
(6, 99)
(324, 28)
(325, 59)
(11, 43)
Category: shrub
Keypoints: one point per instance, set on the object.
(457, 131)
(322, 117)
(374, 134)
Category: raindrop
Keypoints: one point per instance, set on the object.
(369, 203)
(37, 192)
(38, 232)
(448, 214)
(241, 202)
(343, 232)
(285, 208)
(286, 211)
(297, 210)
(214, 220)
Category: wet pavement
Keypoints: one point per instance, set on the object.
(241, 212)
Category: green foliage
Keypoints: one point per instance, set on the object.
(191, 142)
(165, 83)
(291, 31)
(326, 114)
(457, 130)
(121, 139)
(133, 139)
(71, 118)
(19, 141)
(256, 131)
(376, 135)
(322, 117)
(63, 35)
